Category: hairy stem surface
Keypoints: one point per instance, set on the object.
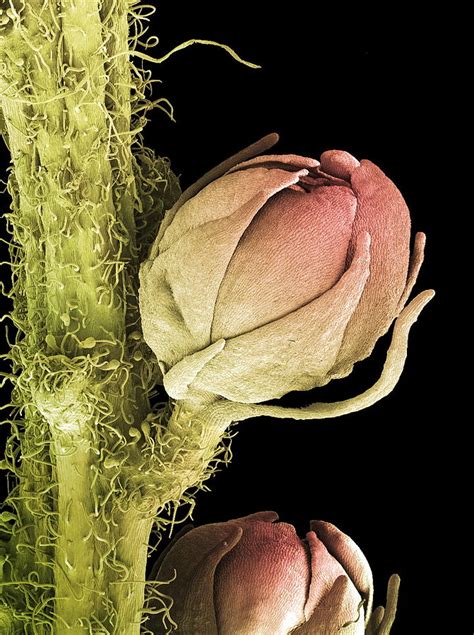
(74, 541)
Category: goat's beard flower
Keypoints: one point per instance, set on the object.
(254, 575)
(277, 273)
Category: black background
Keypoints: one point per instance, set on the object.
(376, 86)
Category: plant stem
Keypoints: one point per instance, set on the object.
(100, 566)
(94, 462)
(81, 367)
(86, 579)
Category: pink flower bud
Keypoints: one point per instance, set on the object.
(254, 575)
(276, 273)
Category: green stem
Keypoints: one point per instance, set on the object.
(102, 564)
(96, 463)
(66, 114)
(77, 574)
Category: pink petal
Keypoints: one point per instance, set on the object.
(293, 251)
(351, 557)
(339, 163)
(192, 561)
(383, 213)
(267, 517)
(295, 352)
(261, 585)
(325, 570)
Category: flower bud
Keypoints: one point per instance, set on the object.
(254, 575)
(276, 273)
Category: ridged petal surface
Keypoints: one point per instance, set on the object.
(178, 289)
(293, 251)
(351, 557)
(192, 561)
(381, 211)
(261, 585)
(293, 353)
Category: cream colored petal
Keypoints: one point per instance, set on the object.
(293, 161)
(255, 148)
(164, 329)
(339, 612)
(351, 557)
(292, 353)
(223, 197)
(416, 261)
(375, 621)
(195, 263)
(226, 411)
(178, 288)
(177, 381)
(382, 618)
